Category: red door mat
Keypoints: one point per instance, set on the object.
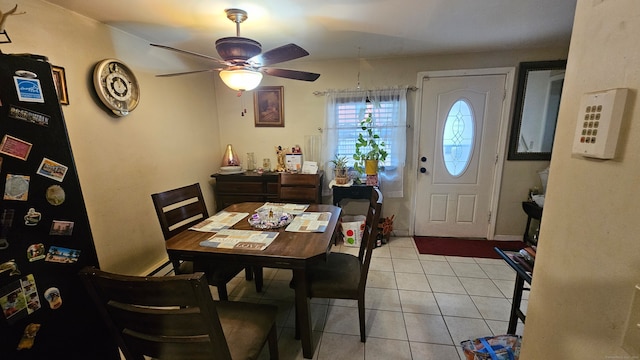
(464, 247)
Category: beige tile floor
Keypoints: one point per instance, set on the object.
(417, 306)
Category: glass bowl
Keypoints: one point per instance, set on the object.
(270, 219)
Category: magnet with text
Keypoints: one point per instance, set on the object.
(52, 295)
(28, 116)
(29, 90)
(15, 147)
(52, 170)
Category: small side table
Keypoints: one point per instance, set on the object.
(534, 214)
(351, 192)
(522, 276)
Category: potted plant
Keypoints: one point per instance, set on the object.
(370, 150)
(340, 169)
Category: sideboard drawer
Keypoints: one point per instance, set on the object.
(240, 187)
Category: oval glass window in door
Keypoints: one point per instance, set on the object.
(458, 138)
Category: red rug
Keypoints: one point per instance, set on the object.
(479, 248)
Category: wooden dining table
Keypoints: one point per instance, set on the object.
(289, 250)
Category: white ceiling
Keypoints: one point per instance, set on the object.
(334, 29)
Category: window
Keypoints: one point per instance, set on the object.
(348, 119)
(458, 138)
(345, 110)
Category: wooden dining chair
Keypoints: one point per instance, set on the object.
(175, 317)
(177, 211)
(344, 276)
(299, 188)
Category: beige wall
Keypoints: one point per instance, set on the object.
(304, 114)
(170, 140)
(588, 259)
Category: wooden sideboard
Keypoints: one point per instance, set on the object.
(250, 186)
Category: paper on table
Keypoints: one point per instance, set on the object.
(219, 221)
(240, 239)
(294, 209)
(310, 222)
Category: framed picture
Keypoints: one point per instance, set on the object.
(60, 81)
(268, 105)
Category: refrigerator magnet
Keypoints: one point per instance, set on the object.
(32, 218)
(29, 90)
(55, 195)
(16, 187)
(52, 295)
(15, 147)
(28, 284)
(62, 255)
(52, 170)
(10, 266)
(29, 336)
(59, 227)
(28, 116)
(35, 252)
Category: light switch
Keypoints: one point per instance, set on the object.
(631, 342)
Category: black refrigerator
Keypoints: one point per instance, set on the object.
(45, 238)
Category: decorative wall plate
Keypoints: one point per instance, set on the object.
(116, 86)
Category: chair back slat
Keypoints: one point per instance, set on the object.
(172, 317)
(179, 209)
(299, 188)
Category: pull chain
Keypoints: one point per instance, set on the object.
(244, 108)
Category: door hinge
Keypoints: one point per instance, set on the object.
(489, 217)
(497, 157)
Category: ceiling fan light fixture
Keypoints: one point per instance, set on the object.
(241, 79)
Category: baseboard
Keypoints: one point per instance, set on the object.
(507, 237)
(400, 233)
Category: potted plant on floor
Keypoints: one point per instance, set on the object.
(370, 150)
(340, 169)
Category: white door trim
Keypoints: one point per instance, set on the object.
(509, 72)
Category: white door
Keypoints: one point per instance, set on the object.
(458, 149)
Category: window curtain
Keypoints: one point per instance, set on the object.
(391, 176)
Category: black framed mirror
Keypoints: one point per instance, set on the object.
(536, 109)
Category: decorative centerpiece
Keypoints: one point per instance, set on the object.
(270, 219)
(230, 163)
(370, 150)
(340, 169)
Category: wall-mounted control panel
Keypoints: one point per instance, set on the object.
(598, 124)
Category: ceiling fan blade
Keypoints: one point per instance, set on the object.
(278, 55)
(191, 53)
(186, 73)
(291, 74)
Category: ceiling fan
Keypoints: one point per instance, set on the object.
(243, 62)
